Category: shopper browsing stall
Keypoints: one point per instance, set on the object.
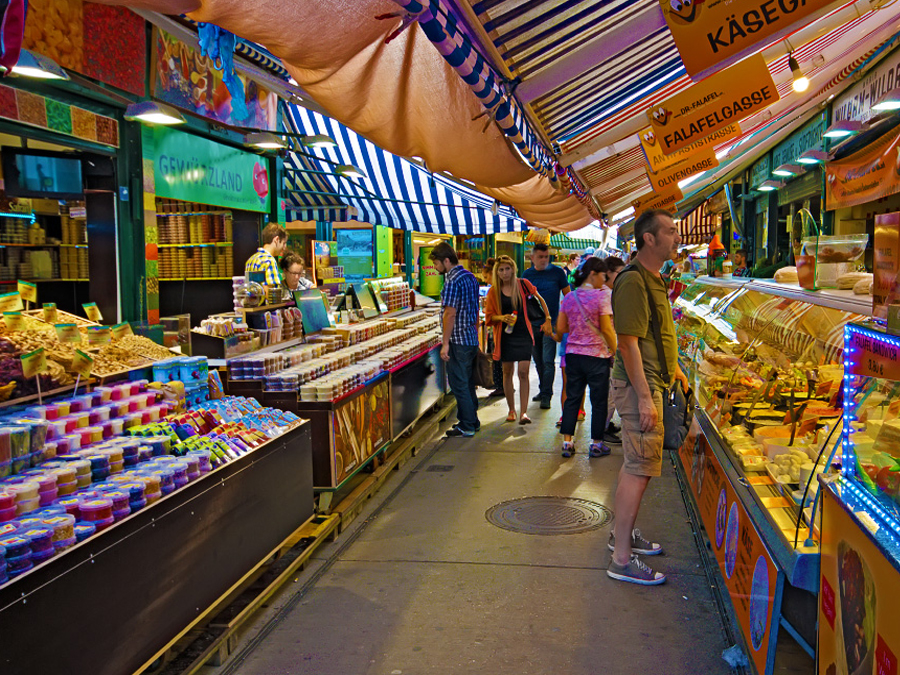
(514, 335)
(497, 368)
(294, 269)
(265, 260)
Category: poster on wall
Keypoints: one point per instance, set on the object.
(858, 631)
(186, 79)
(865, 176)
(105, 43)
(362, 426)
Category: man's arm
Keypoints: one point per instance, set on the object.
(564, 284)
(634, 366)
(448, 321)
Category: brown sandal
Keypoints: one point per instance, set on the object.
(525, 419)
(511, 417)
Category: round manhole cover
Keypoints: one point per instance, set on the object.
(549, 515)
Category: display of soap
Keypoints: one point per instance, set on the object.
(70, 496)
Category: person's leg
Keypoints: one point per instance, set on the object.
(537, 354)
(496, 369)
(629, 493)
(598, 381)
(575, 384)
(509, 389)
(549, 373)
(524, 368)
(459, 376)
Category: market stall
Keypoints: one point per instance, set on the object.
(766, 363)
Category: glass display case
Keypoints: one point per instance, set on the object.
(766, 364)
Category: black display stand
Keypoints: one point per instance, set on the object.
(109, 605)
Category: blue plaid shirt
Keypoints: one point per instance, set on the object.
(461, 292)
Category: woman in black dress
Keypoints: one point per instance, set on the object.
(513, 336)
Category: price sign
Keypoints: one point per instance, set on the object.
(99, 335)
(34, 363)
(27, 290)
(14, 320)
(11, 302)
(120, 330)
(82, 363)
(49, 310)
(873, 357)
(67, 332)
(92, 312)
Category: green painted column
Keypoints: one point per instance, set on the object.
(384, 251)
(409, 263)
(324, 231)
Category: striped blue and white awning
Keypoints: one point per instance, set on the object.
(396, 192)
(309, 196)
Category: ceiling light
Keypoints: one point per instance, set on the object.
(349, 171)
(843, 128)
(788, 170)
(801, 82)
(769, 185)
(153, 112)
(32, 64)
(813, 157)
(318, 141)
(888, 101)
(264, 140)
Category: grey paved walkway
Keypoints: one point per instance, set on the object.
(427, 585)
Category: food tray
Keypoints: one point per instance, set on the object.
(61, 317)
(784, 487)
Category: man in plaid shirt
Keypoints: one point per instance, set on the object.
(460, 336)
(274, 243)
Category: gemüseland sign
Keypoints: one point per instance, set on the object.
(712, 32)
(193, 169)
(718, 101)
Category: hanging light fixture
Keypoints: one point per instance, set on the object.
(788, 170)
(801, 82)
(889, 100)
(152, 112)
(349, 171)
(38, 66)
(318, 141)
(813, 157)
(843, 128)
(264, 140)
(769, 185)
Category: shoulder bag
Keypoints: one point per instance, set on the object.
(534, 310)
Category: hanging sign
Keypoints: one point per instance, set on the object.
(658, 161)
(120, 330)
(658, 200)
(708, 33)
(92, 312)
(67, 332)
(27, 290)
(691, 166)
(11, 302)
(49, 312)
(873, 357)
(81, 364)
(868, 175)
(716, 102)
(34, 363)
(855, 103)
(98, 335)
(14, 321)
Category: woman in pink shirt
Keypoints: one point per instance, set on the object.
(586, 315)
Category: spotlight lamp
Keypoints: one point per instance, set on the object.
(801, 82)
(788, 170)
(813, 157)
(843, 128)
(38, 66)
(264, 140)
(153, 112)
(889, 100)
(770, 185)
(349, 171)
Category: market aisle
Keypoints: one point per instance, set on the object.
(429, 586)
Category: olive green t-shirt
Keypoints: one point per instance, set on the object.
(631, 316)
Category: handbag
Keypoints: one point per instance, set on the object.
(533, 308)
(483, 372)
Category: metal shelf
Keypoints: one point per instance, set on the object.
(195, 279)
(7, 245)
(209, 244)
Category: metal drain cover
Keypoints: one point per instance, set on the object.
(548, 515)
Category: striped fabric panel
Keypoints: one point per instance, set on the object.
(607, 169)
(398, 193)
(309, 194)
(629, 189)
(698, 226)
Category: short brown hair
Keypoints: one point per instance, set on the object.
(271, 232)
(648, 223)
(290, 258)
(444, 251)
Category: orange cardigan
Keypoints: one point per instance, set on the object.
(491, 309)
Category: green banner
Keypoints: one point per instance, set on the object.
(194, 169)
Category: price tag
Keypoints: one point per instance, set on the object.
(11, 302)
(27, 290)
(34, 363)
(14, 320)
(92, 312)
(120, 330)
(49, 310)
(98, 335)
(67, 332)
(82, 363)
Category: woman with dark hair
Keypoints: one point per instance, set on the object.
(614, 265)
(586, 315)
(293, 266)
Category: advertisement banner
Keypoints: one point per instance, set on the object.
(707, 33)
(659, 161)
(658, 200)
(716, 102)
(193, 169)
(431, 281)
(744, 562)
(855, 103)
(691, 166)
(868, 175)
(858, 629)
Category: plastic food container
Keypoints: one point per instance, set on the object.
(96, 510)
(83, 530)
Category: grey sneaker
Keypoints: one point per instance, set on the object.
(638, 544)
(635, 572)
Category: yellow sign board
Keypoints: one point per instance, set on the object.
(92, 312)
(710, 32)
(657, 200)
(658, 161)
(717, 102)
(49, 312)
(27, 290)
(664, 180)
(34, 363)
(98, 335)
(67, 332)
(81, 363)
(11, 302)
(120, 330)
(14, 321)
